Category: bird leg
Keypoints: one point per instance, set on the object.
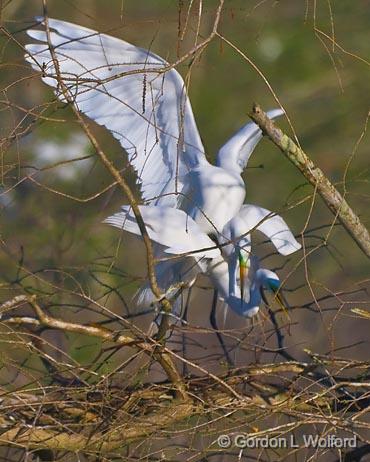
(215, 327)
(184, 321)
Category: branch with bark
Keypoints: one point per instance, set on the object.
(315, 176)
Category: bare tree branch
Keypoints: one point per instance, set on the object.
(331, 196)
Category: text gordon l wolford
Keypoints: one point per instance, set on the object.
(309, 441)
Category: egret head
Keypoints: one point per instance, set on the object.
(270, 281)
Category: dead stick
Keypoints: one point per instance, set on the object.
(331, 196)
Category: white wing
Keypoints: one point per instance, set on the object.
(271, 225)
(235, 153)
(167, 226)
(125, 89)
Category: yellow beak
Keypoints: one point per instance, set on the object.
(243, 272)
(281, 301)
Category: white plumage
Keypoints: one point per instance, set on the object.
(124, 88)
(129, 91)
(172, 228)
(143, 102)
(178, 234)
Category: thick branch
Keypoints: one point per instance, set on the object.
(95, 331)
(331, 196)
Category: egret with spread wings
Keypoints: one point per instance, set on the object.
(143, 102)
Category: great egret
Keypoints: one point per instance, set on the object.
(143, 102)
(179, 234)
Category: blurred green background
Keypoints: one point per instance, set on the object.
(315, 58)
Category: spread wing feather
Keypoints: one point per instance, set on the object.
(127, 90)
(235, 153)
(170, 227)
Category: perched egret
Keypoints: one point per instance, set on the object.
(143, 102)
(179, 234)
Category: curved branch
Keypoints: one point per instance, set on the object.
(146, 345)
